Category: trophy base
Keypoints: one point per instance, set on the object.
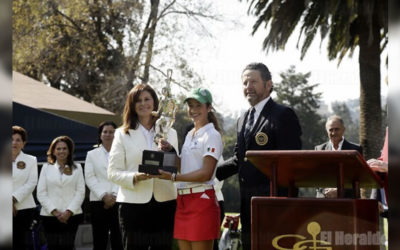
(153, 170)
(152, 161)
(149, 169)
(170, 169)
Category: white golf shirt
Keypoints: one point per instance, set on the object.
(206, 141)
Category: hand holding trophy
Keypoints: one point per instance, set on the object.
(166, 111)
(152, 161)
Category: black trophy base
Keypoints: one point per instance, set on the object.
(153, 161)
(153, 170)
(170, 169)
(149, 169)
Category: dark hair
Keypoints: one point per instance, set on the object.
(213, 118)
(129, 117)
(51, 158)
(262, 68)
(101, 126)
(21, 131)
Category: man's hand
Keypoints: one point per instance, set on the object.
(378, 165)
(330, 192)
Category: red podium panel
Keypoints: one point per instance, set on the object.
(299, 223)
(287, 223)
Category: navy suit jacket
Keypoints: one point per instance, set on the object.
(281, 125)
(283, 130)
(346, 146)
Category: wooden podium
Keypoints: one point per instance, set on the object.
(311, 223)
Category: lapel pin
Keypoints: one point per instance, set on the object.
(67, 170)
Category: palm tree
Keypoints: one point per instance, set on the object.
(348, 24)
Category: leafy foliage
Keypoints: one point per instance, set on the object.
(339, 20)
(230, 189)
(348, 111)
(294, 91)
(349, 25)
(98, 49)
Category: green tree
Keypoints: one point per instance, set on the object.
(182, 121)
(294, 91)
(230, 189)
(349, 25)
(229, 138)
(97, 50)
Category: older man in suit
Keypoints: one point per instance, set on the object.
(335, 129)
(267, 125)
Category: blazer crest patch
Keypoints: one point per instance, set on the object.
(21, 165)
(261, 138)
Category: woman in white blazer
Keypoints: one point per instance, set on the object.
(147, 205)
(25, 175)
(61, 191)
(103, 192)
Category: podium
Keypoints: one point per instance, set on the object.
(314, 223)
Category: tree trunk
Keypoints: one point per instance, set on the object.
(149, 54)
(370, 94)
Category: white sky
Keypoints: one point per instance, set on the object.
(221, 60)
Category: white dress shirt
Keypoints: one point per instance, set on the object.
(339, 146)
(125, 157)
(96, 174)
(24, 180)
(60, 191)
(148, 134)
(259, 107)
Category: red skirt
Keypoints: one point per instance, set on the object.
(197, 217)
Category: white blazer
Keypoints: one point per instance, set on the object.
(60, 191)
(24, 181)
(125, 157)
(96, 174)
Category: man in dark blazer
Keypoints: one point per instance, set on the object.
(335, 129)
(266, 126)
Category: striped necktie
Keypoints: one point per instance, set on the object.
(249, 123)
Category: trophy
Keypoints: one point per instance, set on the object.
(166, 111)
(152, 161)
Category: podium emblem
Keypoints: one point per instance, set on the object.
(313, 228)
(261, 138)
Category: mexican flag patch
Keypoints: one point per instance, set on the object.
(212, 150)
